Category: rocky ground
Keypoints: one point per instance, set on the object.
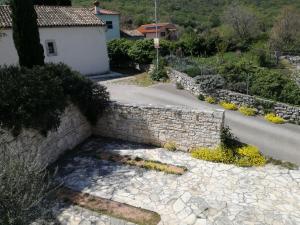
(208, 193)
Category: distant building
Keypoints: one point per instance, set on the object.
(132, 34)
(165, 30)
(70, 35)
(111, 19)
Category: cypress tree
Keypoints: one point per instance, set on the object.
(26, 34)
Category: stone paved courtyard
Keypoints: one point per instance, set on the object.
(208, 193)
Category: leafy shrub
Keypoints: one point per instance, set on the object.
(250, 156)
(193, 71)
(210, 100)
(170, 146)
(35, 98)
(142, 51)
(179, 86)
(236, 74)
(218, 154)
(247, 111)
(271, 117)
(210, 83)
(118, 52)
(228, 105)
(159, 73)
(275, 86)
(201, 97)
(265, 60)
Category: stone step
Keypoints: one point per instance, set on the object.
(107, 76)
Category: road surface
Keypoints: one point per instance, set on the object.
(278, 141)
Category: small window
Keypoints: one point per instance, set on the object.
(163, 34)
(51, 48)
(109, 24)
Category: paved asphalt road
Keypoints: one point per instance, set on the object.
(279, 141)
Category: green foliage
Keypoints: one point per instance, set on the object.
(275, 86)
(201, 97)
(265, 59)
(228, 105)
(170, 146)
(247, 111)
(35, 98)
(26, 34)
(196, 14)
(159, 73)
(271, 117)
(142, 51)
(118, 52)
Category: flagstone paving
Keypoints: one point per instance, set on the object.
(207, 193)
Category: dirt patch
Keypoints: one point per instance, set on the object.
(139, 162)
(104, 206)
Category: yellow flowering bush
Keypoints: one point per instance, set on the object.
(210, 100)
(228, 105)
(247, 111)
(218, 154)
(271, 117)
(244, 156)
(250, 156)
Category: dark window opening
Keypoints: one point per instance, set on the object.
(109, 24)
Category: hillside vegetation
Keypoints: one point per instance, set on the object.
(194, 13)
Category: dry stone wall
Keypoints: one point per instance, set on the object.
(288, 112)
(74, 129)
(156, 125)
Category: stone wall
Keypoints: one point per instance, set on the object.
(74, 129)
(187, 82)
(288, 112)
(157, 125)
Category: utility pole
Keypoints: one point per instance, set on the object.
(157, 39)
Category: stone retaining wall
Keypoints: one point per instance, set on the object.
(74, 129)
(288, 112)
(157, 125)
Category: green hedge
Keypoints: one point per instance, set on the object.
(36, 98)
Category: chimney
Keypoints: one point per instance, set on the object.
(97, 7)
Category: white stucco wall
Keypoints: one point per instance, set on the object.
(115, 32)
(82, 48)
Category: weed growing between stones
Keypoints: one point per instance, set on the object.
(143, 163)
(228, 105)
(246, 156)
(210, 100)
(247, 111)
(170, 146)
(271, 117)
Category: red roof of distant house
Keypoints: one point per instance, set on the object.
(151, 28)
(106, 11)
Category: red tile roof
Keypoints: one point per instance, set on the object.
(151, 28)
(55, 16)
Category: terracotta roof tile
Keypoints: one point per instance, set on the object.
(55, 16)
